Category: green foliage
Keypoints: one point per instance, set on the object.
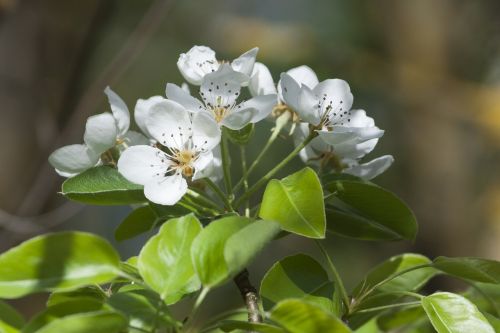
(137, 222)
(452, 313)
(298, 276)
(165, 261)
(10, 320)
(476, 269)
(363, 210)
(56, 262)
(231, 325)
(298, 316)
(242, 136)
(102, 185)
(95, 322)
(296, 203)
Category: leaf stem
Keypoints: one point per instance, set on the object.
(280, 123)
(336, 276)
(219, 193)
(203, 199)
(226, 161)
(199, 300)
(271, 173)
(244, 178)
(390, 306)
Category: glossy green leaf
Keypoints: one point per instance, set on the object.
(476, 269)
(56, 262)
(165, 261)
(297, 276)
(10, 320)
(92, 293)
(139, 221)
(227, 245)
(296, 203)
(298, 316)
(411, 281)
(143, 308)
(402, 318)
(452, 313)
(102, 185)
(365, 211)
(231, 325)
(95, 322)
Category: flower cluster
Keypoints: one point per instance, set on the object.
(181, 133)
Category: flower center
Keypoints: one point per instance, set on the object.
(219, 113)
(183, 161)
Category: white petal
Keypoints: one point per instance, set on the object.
(143, 164)
(261, 82)
(166, 191)
(313, 149)
(73, 159)
(263, 105)
(238, 119)
(100, 132)
(304, 75)
(371, 169)
(185, 87)
(341, 134)
(290, 90)
(120, 111)
(360, 119)
(141, 112)
(179, 95)
(169, 124)
(221, 88)
(196, 63)
(201, 165)
(354, 150)
(307, 107)
(245, 62)
(206, 132)
(133, 138)
(337, 91)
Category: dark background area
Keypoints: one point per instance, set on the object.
(427, 71)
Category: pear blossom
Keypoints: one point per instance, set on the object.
(344, 156)
(102, 132)
(219, 92)
(184, 152)
(200, 61)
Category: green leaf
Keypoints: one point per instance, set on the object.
(93, 293)
(143, 308)
(298, 316)
(57, 261)
(231, 325)
(102, 185)
(241, 136)
(139, 221)
(63, 309)
(403, 318)
(297, 276)
(227, 245)
(494, 321)
(10, 320)
(452, 313)
(95, 322)
(476, 269)
(365, 211)
(296, 202)
(411, 281)
(165, 261)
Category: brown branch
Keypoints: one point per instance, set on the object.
(249, 295)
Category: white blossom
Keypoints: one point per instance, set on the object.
(187, 140)
(219, 92)
(102, 132)
(200, 61)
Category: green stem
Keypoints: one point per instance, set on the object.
(213, 323)
(190, 202)
(203, 200)
(390, 306)
(271, 173)
(280, 123)
(219, 193)
(199, 300)
(244, 178)
(226, 164)
(336, 276)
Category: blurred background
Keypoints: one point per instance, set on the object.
(428, 72)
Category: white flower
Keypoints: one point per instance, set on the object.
(327, 106)
(219, 92)
(102, 132)
(141, 112)
(188, 140)
(343, 156)
(261, 81)
(200, 61)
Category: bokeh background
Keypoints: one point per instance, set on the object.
(428, 71)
